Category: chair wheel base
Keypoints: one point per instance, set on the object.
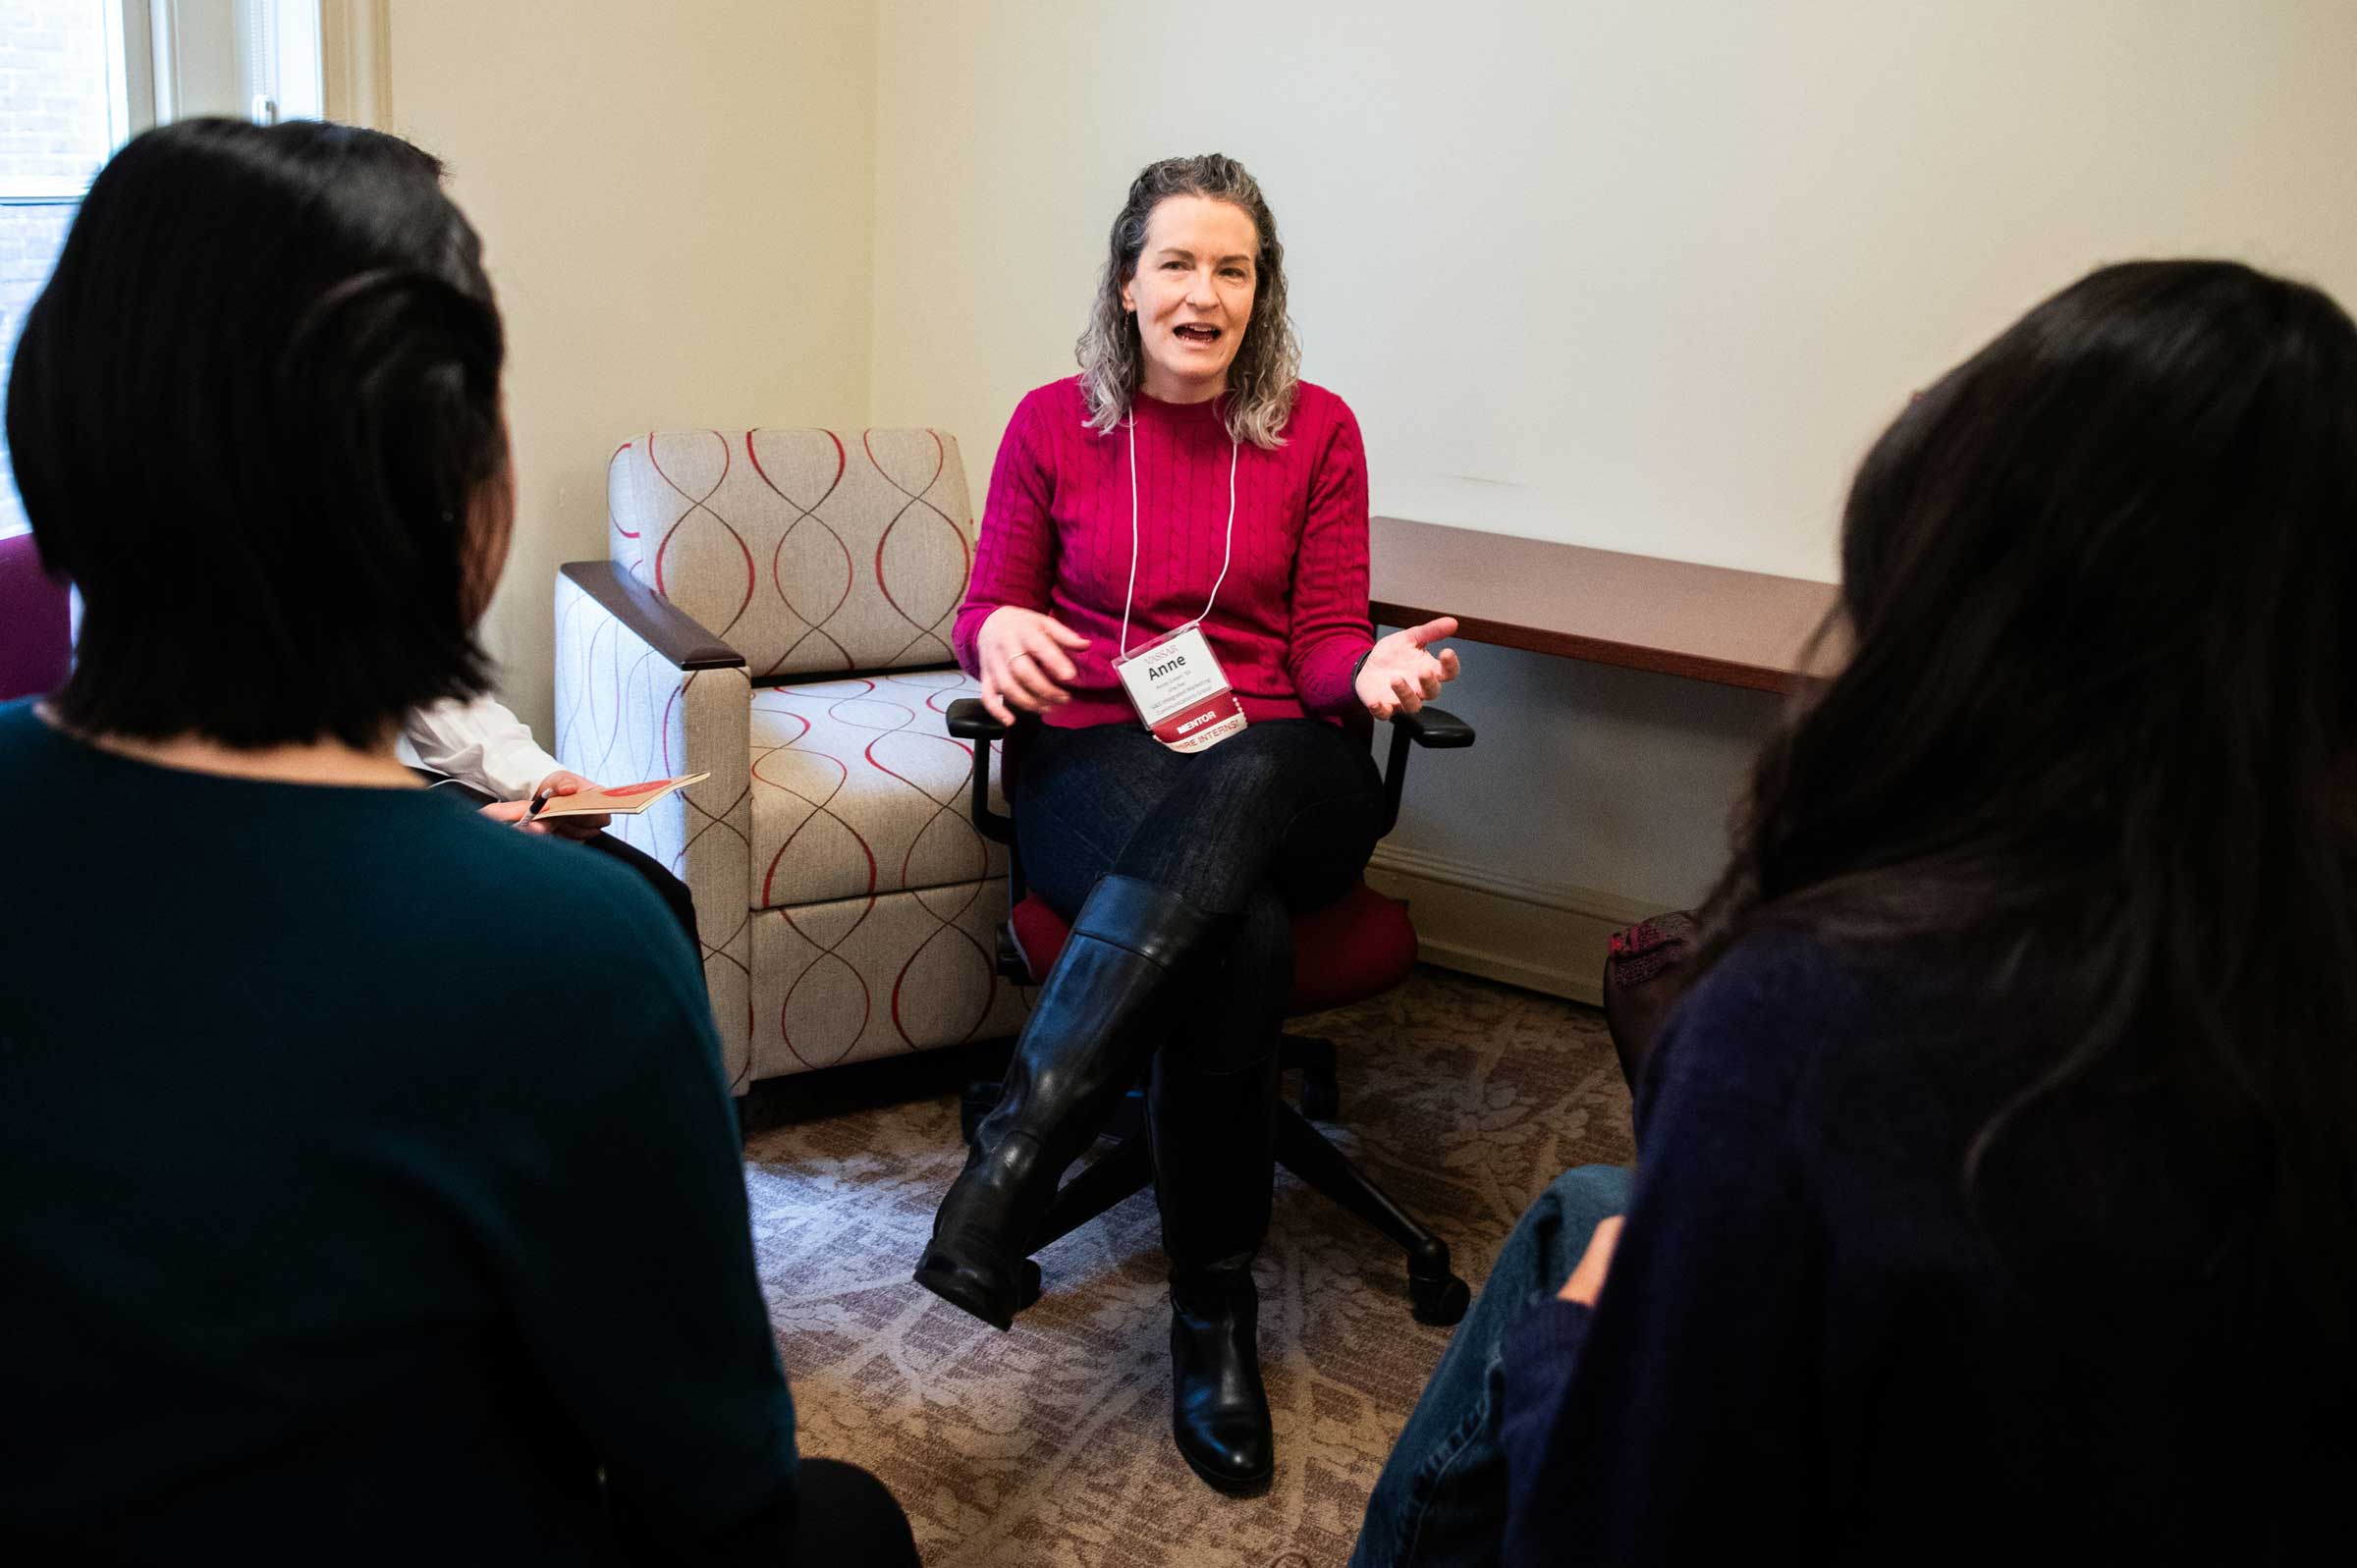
(1320, 1095)
(1321, 1101)
(1439, 1302)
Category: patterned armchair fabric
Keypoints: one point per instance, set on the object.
(804, 550)
(857, 787)
(848, 907)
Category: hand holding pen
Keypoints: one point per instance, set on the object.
(563, 783)
(526, 814)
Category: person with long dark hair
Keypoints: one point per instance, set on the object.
(1997, 1195)
(368, 1188)
(1188, 509)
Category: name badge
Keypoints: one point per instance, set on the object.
(1175, 685)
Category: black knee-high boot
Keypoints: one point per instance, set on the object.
(1214, 1138)
(1100, 1011)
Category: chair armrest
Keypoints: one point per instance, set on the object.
(1429, 727)
(1434, 730)
(969, 720)
(643, 691)
(662, 626)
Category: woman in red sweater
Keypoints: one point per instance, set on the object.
(1185, 519)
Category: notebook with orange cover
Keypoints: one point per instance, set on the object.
(623, 801)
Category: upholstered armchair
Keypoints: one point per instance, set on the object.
(775, 610)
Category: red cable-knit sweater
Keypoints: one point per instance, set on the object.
(1292, 616)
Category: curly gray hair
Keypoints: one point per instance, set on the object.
(1268, 364)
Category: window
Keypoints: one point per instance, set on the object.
(79, 77)
(65, 105)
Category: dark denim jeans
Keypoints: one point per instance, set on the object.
(1277, 820)
(1295, 802)
(1440, 1500)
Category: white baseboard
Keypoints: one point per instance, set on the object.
(1542, 936)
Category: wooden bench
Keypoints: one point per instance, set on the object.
(1732, 628)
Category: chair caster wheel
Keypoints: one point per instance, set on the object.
(1440, 1302)
(1321, 1101)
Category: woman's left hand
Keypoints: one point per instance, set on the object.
(1400, 677)
(565, 783)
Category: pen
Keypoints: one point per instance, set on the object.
(540, 798)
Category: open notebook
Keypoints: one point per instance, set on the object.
(625, 800)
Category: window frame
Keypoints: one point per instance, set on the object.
(130, 108)
(166, 59)
(130, 102)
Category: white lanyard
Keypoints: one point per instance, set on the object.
(1234, 447)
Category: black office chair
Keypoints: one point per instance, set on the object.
(1357, 947)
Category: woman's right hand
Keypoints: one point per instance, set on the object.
(1024, 661)
(515, 814)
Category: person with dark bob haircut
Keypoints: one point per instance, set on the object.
(158, 518)
(368, 1190)
(1996, 1193)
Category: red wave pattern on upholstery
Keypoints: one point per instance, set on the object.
(1360, 946)
(879, 975)
(857, 790)
(810, 552)
(848, 907)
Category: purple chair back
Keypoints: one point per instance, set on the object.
(36, 638)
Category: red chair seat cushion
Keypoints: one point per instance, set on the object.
(1360, 946)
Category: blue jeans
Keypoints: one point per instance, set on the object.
(1292, 805)
(1440, 1500)
(1265, 824)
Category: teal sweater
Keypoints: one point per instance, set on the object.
(368, 1188)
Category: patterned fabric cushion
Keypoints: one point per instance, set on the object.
(879, 975)
(858, 790)
(807, 551)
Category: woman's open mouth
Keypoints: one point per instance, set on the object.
(1196, 332)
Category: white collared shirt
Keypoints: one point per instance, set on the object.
(478, 743)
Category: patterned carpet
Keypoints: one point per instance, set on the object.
(1051, 1445)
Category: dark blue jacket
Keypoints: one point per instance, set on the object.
(1812, 1344)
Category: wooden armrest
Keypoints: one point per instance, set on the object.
(655, 621)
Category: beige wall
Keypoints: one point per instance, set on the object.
(1645, 276)
(1642, 276)
(676, 202)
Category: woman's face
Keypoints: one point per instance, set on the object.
(1192, 290)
